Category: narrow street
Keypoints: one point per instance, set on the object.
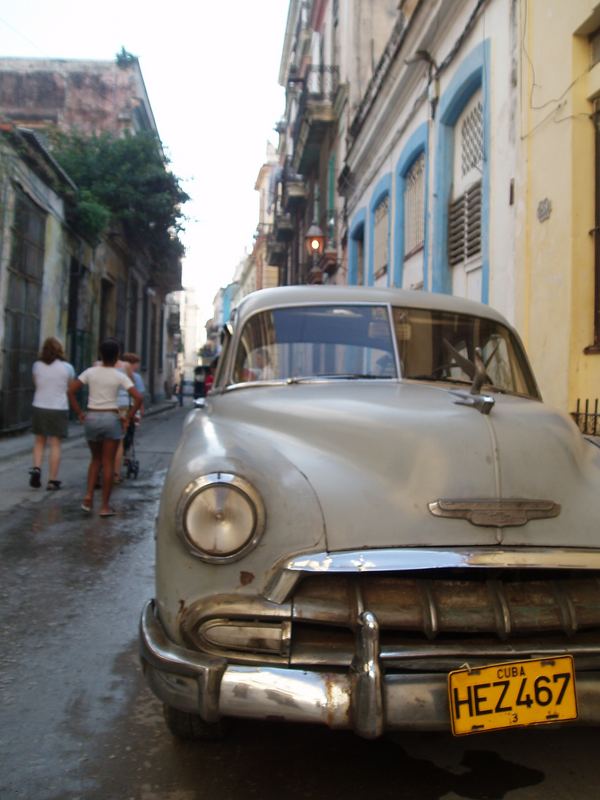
(77, 721)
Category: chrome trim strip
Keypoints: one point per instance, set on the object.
(288, 572)
(525, 649)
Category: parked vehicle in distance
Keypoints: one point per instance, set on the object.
(374, 523)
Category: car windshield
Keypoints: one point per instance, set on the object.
(446, 346)
(357, 342)
(328, 341)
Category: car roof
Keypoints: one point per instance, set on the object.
(307, 295)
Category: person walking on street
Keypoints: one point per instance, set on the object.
(50, 412)
(103, 426)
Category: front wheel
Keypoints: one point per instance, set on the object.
(191, 727)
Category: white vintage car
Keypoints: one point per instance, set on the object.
(374, 523)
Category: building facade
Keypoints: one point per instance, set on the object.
(106, 290)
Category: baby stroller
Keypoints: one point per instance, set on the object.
(132, 465)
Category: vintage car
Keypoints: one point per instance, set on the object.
(375, 523)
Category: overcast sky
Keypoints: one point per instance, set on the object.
(211, 70)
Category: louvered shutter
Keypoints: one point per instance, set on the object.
(464, 212)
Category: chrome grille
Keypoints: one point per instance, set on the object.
(448, 615)
(433, 620)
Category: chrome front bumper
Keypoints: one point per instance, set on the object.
(363, 699)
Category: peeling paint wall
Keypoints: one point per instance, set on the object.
(90, 97)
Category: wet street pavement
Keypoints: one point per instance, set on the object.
(77, 721)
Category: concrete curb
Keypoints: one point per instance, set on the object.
(21, 443)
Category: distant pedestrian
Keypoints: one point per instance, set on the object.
(104, 427)
(50, 413)
(210, 376)
(180, 390)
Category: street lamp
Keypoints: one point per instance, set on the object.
(315, 242)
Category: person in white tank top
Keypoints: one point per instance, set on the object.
(103, 426)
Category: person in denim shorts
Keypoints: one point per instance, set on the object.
(103, 426)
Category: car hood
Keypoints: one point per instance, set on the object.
(378, 454)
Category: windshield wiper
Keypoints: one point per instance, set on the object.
(436, 378)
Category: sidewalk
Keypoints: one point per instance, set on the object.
(21, 443)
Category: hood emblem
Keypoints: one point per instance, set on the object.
(476, 370)
(482, 402)
(495, 513)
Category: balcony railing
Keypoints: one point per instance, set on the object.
(588, 420)
(315, 114)
(283, 227)
(276, 252)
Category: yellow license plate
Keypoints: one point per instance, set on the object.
(512, 695)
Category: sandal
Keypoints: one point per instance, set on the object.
(35, 477)
(116, 478)
(85, 507)
(53, 486)
(110, 513)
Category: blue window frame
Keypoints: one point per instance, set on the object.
(472, 74)
(414, 147)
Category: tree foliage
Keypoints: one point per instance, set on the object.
(125, 181)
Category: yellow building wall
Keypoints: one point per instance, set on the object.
(555, 307)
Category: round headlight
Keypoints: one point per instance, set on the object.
(221, 517)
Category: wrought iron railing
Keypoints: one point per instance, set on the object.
(320, 85)
(587, 420)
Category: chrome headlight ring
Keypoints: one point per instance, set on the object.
(220, 517)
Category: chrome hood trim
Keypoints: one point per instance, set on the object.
(495, 513)
(287, 573)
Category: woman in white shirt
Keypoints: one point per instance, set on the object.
(50, 412)
(104, 427)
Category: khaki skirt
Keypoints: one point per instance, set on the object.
(49, 422)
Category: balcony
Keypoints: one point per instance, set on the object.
(283, 227)
(316, 115)
(328, 262)
(294, 192)
(173, 325)
(276, 252)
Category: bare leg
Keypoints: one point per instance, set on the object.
(118, 459)
(38, 450)
(109, 449)
(93, 470)
(54, 457)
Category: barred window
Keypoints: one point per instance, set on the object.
(471, 139)
(414, 207)
(381, 237)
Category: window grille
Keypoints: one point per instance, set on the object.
(22, 312)
(471, 135)
(414, 207)
(381, 236)
(464, 226)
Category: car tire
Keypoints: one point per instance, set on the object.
(191, 727)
